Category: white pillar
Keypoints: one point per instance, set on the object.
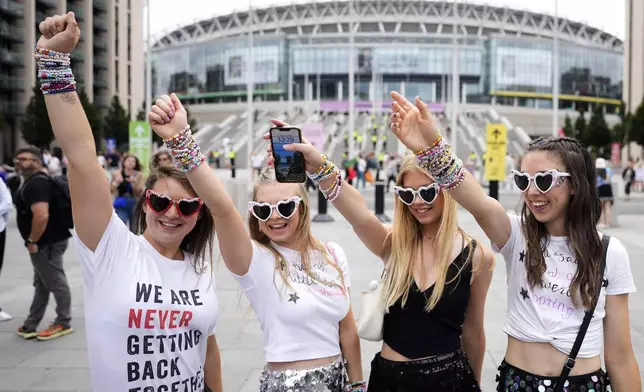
(403, 87)
(340, 91)
(455, 79)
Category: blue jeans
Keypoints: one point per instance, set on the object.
(127, 213)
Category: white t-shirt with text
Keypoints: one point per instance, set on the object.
(546, 313)
(300, 322)
(148, 318)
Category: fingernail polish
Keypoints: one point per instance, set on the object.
(167, 119)
(171, 112)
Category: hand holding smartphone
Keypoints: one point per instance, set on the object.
(289, 165)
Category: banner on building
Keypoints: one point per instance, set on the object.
(616, 154)
(265, 60)
(314, 133)
(141, 143)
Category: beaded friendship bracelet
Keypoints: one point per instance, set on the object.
(54, 71)
(441, 162)
(184, 150)
(357, 387)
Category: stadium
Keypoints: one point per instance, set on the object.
(301, 67)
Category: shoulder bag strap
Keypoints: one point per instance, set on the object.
(570, 362)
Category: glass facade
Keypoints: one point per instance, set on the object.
(508, 71)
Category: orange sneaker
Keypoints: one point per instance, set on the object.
(54, 331)
(27, 334)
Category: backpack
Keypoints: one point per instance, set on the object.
(61, 201)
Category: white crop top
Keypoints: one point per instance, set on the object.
(300, 322)
(547, 314)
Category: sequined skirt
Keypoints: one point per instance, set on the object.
(328, 378)
(449, 372)
(513, 379)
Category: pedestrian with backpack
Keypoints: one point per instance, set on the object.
(44, 220)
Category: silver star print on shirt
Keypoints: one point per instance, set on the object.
(293, 298)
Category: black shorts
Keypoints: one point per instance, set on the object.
(449, 372)
(513, 379)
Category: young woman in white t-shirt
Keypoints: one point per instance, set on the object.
(150, 301)
(297, 286)
(552, 253)
(435, 285)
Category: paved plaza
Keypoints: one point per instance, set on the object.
(61, 365)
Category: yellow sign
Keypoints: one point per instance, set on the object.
(497, 146)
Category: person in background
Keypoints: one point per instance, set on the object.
(46, 240)
(127, 185)
(161, 158)
(605, 191)
(628, 175)
(6, 207)
(55, 165)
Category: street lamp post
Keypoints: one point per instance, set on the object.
(555, 75)
(352, 87)
(456, 80)
(250, 75)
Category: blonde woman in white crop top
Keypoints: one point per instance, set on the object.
(553, 253)
(297, 286)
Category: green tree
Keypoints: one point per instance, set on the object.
(580, 128)
(36, 128)
(569, 129)
(636, 131)
(599, 135)
(94, 118)
(117, 122)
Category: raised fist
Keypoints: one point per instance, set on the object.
(60, 33)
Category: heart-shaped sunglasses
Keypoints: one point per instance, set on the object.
(543, 181)
(160, 203)
(427, 193)
(285, 208)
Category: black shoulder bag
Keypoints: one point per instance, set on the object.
(570, 362)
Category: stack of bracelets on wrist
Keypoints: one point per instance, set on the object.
(324, 172)
(54, 72)
(184, 150)
(441, 162)
(360, 386)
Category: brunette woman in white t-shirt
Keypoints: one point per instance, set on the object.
(150, 301)
(297, 286)
(553, 253)
(435, 285)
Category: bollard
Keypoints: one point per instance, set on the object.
(380, 202)
(232, 167)
(494, 190)
(322, 215)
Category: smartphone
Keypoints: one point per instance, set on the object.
(289, 165)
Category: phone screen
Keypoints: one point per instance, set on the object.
(289, 165)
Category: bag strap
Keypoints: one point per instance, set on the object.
(570, 362)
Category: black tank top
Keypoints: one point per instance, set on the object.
(125, 188)
(415, 333)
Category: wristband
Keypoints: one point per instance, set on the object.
(185, 152)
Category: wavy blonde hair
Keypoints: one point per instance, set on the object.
(305, 239)
(406, 241)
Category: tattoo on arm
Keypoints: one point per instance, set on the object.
(69, 98)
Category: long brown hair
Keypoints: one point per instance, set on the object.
(199, 241)
(305, 239)
(581, 219)
(406, 240)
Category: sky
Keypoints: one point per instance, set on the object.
(168, 14)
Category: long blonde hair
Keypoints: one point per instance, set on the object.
(305, 240)
(406, 241)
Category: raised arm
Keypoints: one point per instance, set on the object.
(349, 202)
(90, 194)
(169, 120)
(414, 126)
